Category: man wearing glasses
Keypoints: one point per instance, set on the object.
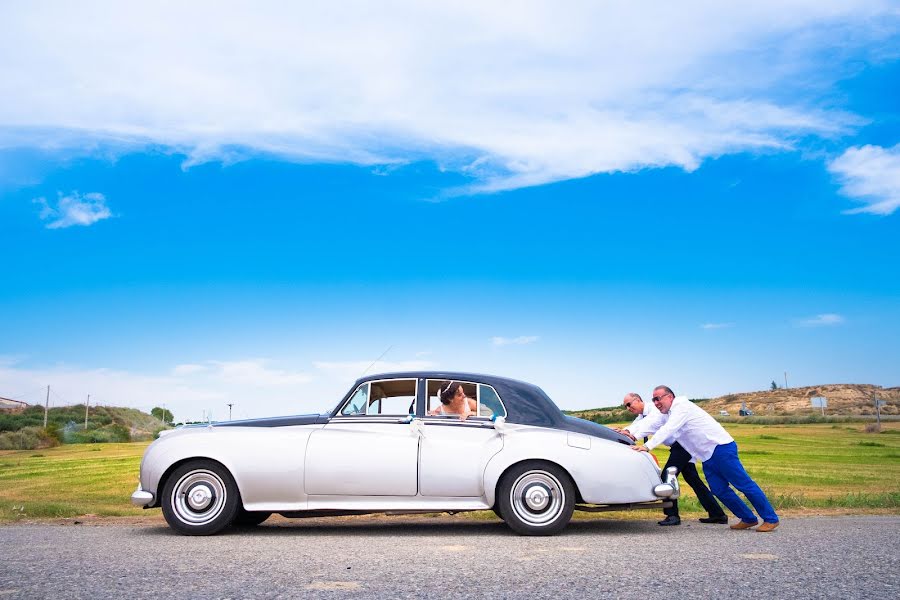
(647, 422)
(707, 441)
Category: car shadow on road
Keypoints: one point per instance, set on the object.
(405, 526)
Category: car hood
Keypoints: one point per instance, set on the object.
(595, 429)
(276, 421)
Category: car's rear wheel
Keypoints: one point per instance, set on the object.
(250, 518)
(536, 498)
(200, 498)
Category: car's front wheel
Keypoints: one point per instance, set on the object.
(200, 498)
(536, 498)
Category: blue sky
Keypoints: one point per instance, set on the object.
(255, 213)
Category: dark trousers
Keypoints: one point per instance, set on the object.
(681, 460)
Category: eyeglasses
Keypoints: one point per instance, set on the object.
(659, 398)
(628, 404)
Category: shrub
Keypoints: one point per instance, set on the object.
(108, 433)
(28, 438)
(873, 427)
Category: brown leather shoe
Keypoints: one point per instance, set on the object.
(742, 525)
(767, 527)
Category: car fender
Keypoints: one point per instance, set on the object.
(604, 471)
(266, 463)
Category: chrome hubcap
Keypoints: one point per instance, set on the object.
(199, 497)
(537, 497)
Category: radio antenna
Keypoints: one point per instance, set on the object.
(376, 360)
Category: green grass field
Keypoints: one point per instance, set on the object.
(825, 466)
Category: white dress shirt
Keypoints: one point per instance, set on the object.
(646, 423)
(693, 428)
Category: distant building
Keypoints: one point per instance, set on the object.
(12, 406)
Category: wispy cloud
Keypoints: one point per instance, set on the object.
(823, 320)
(74, 209)
(516, 341)
(187, 369)
(870, 174)
(547, 92)
(257, 371)
(254, 386)
(717, 325)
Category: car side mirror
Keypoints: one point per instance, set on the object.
(499, 423)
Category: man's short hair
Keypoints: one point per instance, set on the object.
(667, 389)
(634, 395)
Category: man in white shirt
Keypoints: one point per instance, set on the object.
(647, 422)
(708, 442)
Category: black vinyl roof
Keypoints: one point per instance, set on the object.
(525, 403)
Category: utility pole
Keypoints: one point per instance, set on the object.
(86, 404)
(46, 407)
(785, 380)
(229, 410)
(878, 411)
(163, 419)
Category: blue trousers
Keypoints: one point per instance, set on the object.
(724, 468)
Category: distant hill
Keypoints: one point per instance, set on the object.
(845, 399)
(853, 399)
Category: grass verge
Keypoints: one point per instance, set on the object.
(800, 467)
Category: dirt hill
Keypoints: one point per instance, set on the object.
(842, 399)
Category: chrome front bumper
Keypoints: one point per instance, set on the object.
(140, 497)
(669, 487)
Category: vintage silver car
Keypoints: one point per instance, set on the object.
(382, 449)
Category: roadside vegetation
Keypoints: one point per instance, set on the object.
(66, 425)
(802, 468)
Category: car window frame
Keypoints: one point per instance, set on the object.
(340, 412)
(455, 418)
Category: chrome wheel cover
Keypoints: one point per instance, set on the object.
(199, 497)
(537, 498)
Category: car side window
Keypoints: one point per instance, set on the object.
(489, 404)
(358, 401)
(382, 397)
(487, 401)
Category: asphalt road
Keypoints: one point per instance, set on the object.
(412, 557)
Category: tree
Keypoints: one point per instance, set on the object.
(774, 385)
(163, 415)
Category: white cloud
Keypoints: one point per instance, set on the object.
(254, 386)
(187, 369)
(822, 320)
(870, 174)
(512, 98)
(256, 372)
(517, 341)
(74, 209)
(717, 325)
